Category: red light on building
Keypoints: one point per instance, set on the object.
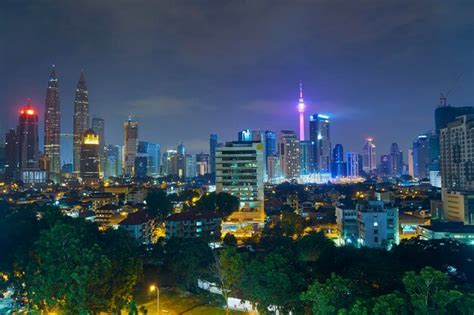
(22, 112)
(30, 112)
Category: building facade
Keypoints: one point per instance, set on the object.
(289, 150)
(52, 128)
(130, 147)
(90, 160)
(369, 156)
(81, 120)
(319, 133)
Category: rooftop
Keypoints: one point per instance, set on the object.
(450, 227)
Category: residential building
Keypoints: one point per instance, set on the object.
(289, 150)
(193, 224)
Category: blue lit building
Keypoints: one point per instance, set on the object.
(307, 157)
(339, 168)
(319, 133)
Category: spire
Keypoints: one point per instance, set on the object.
(82, 81)
(301, 91)
(53, 76)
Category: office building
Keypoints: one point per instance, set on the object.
(113, 161)
(28, 147)
(369, 156)
(148, 159)
(190, 165)
(98, 125)
(274, 167)
(202, 164)
(168, 165)
(81, 120)
(319, 133)
(239, 171)
(411, 163)
(339, 167)
(52, 128)
(306, 157)
(421, 156)
(396, 160)
(212, 154)
(130, 147)
(377, 225)
(354, 164)
(289, 150)
(90, 165)
(456, 231)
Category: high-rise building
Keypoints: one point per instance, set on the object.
(457, 154)
(11, 155)
(190, 165)
(52, 128)
(148, 159)
(339, 168)
(81, 119)
(306, 157)
(411, 163)
(274, 167)
(130, 147)
(319, 133)
(421, 155)
(212, 154)
(354, 163)
(28, 141)
(244, 135)
(202, 164)
(369, 156)
(301, 109)
(289, 149)
(168, 163)
(98, 125)
(181, 149)
(239, 172)
(385, 165)
(90, 156)
(113, 161)
(396, 160)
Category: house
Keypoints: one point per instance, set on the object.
(193, 224)
(140, 225)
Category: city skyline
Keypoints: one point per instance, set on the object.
(361, 96)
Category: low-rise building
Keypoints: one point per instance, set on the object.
(104, 214)
(377, 225)
(448, 230)
(140, 225)
(193, 224)
(347, 227)
(458, 206)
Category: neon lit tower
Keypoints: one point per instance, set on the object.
(301, 109)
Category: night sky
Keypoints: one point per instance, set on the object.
(185, 69)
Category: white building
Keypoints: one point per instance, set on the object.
(377, 226)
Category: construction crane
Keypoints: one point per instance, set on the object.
(443, 98)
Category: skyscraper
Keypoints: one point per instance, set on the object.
(369, 156)
(319, 133)
(11, 154)
(301, 109)
(190, 165)
(457, 154)
(98, 125)
(28, 142)
(52, 128)
(289, 154)
(130, 146)
(212, 154)
(113, 165)
(338, 168)
(81, 119)
(396, 160)
(353, 164)
(202, 164)
(306, 157)
(90, 156)
(421, 156)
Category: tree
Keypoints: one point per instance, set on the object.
(230, 240)
(68, 265)
(229, 267)
(312, 246)
(329, 297)
(389, 304)
(158, 203)
(222, 203)
(429, 291)
(188, 260)
(271, 280)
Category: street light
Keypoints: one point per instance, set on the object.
(154, 288)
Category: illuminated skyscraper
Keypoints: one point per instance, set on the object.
(98, 125)
(306, 157)
(338, 168)
(289, 154)
(52, 128)
(396, 160)
(81, 120)
(301, 109)
(113, 165)
(369, 156)
(421, 156)
(27, 134)
(130, 146)
(202, 164)
(319, 133)
(353, 164)
(90, 156)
